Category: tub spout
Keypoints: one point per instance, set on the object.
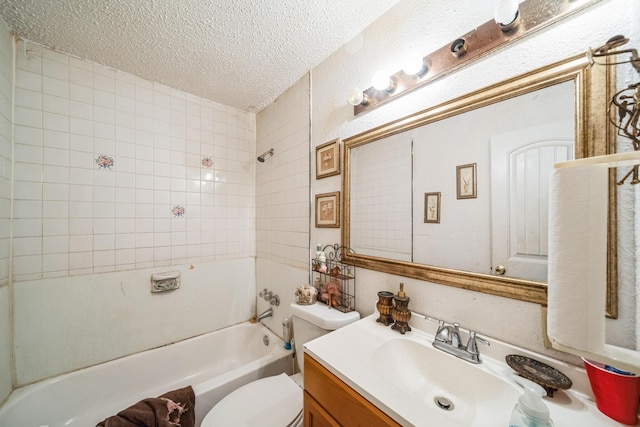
(267, 313)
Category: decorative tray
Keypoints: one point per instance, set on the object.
(548, 377)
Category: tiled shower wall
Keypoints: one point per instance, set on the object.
(282, 199)
(115, 178)
(6, 90)
(113, 172)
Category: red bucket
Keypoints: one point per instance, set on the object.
(616, 392)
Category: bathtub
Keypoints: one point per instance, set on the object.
(214, 364)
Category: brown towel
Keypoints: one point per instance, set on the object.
(172, 409)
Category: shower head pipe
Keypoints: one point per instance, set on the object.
(264, 155)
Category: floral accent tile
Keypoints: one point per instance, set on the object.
(104, 162)
(178, 211)
(207, 162)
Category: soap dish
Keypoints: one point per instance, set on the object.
(548, 377)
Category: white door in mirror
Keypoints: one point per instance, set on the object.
(521, 162)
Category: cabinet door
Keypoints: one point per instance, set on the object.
(315, 415)
(341, 404)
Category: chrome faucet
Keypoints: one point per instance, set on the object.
(267, 313)
(448, 340)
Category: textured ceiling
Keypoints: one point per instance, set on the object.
(241, 53)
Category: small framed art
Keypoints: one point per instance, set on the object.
(432, 207)
(328, 210)
(328, 159)
(466, 181)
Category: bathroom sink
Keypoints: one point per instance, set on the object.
(465, 393)
(418, 385)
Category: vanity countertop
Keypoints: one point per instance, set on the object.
(407, 378)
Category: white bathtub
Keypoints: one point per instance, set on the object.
(214, 364)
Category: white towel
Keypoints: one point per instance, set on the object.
(578, 205)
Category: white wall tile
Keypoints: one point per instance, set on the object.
(81, 126)
(28, 117)
(55, 226)
(55, 262)
(27, 190)
(52, 173)
(81, 143)
(79, 226)
(80, 76)
(28, 135)
(27, 209)
(28, 80)
(27, 227)
(81, 93)
(27, 246)
(56, 139)
(55, 69)
(27, 265)
(28, 98)
(55, 87)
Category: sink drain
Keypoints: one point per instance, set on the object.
(443, 403)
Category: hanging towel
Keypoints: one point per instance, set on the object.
(578, 205)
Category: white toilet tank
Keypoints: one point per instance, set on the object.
(313, 321)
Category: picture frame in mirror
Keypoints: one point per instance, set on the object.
(466, 185)
(432, 208)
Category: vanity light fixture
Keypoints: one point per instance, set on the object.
(512, 20)
(415, 66)
(382, 82)
(356, 97)
(507, 15)
(459, 47)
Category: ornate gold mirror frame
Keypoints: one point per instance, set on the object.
(594, 88)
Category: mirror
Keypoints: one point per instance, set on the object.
(420, 193)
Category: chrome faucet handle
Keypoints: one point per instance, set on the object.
(472, 345)
(442, 334)
(455, 336)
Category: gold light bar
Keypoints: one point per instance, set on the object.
(533, 16)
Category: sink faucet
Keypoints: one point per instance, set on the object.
(267, 313)
(448, 340)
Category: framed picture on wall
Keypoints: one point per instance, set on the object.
(328, 159)
(432, 207)
(328, 210)
(466, 181)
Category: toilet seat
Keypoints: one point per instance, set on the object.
(268, 402)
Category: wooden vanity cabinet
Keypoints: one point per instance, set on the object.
(329, 402)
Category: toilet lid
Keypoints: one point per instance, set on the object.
(271, 401)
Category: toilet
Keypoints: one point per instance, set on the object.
(277, 401)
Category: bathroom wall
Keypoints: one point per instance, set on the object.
(282, 199)
(6, 99)
(117, 177)
(411, 26)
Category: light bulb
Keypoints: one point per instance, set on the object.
(414, 65)
(506, 11)
(355, 96)
(382, 81)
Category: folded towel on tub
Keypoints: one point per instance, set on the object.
(172, 409)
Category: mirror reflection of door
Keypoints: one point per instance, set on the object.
(519, 204)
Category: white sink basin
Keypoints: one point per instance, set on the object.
(464, 392)
(419, 385)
